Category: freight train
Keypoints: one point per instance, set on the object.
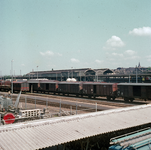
(128, 91)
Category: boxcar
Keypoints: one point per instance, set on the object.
(21, 86)
(34, 85)
(70, 88)
(130, 91)
(48, 86)
(5, 85)
(94, 89)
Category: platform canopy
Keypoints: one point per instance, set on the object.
(50, 132)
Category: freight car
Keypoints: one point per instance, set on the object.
(95, 89)
(20, 86)
(5, 85)
(70, 88)
(43, 86)
(130, 91)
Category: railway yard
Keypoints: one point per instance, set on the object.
(37, 104)
(63, 105)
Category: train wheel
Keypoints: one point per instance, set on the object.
(108, 98)
(126, 99)
(89, 96)
(113, 98)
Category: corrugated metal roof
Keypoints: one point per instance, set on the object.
(49, 132)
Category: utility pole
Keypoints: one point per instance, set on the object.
(37, 72)
(12, 74)
(136, 74)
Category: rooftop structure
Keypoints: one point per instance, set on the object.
(50, 132)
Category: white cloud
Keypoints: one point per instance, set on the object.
(144, 31)
(113, 43)
(75, 60)
(130, 52)
(59, 54)
(116, 54)
(50, 53)
(148, 58)
(47, 53)
(99, 61)
(22, 65)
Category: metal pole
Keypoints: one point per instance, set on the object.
(129, 78)
(136, 74)
(60, 107)
(71, 110)
(35, 102)
(12, 74)
(96, 107)
(80, 75)
(76, 107)
(37, 72)
(25, 102)
(0, 119)
(47, 103)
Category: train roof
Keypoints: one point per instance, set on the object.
(98, 83)
(70, 82)
(19, 82)
(49, 81)
(42, 81)
(135, 84)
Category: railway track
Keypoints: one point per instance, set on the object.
(99, 101)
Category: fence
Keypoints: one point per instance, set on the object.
(53, 108)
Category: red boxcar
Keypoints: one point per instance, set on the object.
(94, 89)
(21, 86)
(70, 87)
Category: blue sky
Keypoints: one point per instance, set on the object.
(61, 34)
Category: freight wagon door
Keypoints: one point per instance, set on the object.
(137, 91)
(94, 89)
(143, 92)
(47, 86)
(31, 88)
(129, 91)
(148, 92)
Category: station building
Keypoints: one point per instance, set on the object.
(118, 75)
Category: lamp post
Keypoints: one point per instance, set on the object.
(37, 72)
(136, 73)
(12, 74)
(72, 72)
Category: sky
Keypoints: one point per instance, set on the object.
(65, 34)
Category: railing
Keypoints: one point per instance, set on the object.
(53, 109)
